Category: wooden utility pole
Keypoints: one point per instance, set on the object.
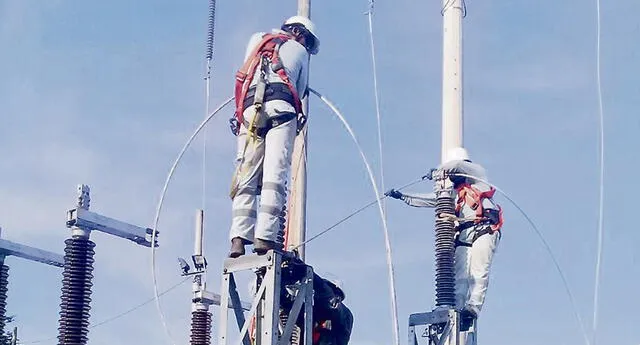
(297, 212)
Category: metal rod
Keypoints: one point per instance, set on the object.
(199, 232)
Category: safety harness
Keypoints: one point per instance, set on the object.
(265, 54)
(473, 197)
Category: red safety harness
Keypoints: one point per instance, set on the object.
(267, 49)
(472, 197)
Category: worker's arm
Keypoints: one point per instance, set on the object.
(466, 168)
(295, 60)
(414, 199)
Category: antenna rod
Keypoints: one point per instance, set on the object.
(452, 107)
(297, 220)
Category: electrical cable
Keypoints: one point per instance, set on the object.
(352, 214)
(159, 210)
(389, 256)
(396, 330)
(115, 317)
(596, 288)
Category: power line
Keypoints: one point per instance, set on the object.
(115, 317)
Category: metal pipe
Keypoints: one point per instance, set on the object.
(452, 97)
(199, 232)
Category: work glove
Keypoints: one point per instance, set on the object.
(392, 193)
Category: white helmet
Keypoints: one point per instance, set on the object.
(308, 24)
(457, 154)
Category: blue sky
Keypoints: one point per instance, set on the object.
(106, 93)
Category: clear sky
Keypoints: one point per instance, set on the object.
(106, 92)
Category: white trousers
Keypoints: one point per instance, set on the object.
(262, 166)
(472, 266)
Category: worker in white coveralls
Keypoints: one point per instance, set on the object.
(478, 224)
(268, 117)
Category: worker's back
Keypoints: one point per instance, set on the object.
(295, 60)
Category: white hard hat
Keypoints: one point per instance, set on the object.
(457, 154)
(308, 24)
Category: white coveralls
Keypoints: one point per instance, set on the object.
(472, 264)
(265, 163)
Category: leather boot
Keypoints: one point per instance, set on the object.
(237, 247)
(261, 246)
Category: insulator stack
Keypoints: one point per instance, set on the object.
(76, 291)
(445, 249)
(4, 283)
(211, 31)
(295, 334)
(200, 327)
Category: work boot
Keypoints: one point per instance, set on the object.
(237, 247)
(261, 246)
(467, 318)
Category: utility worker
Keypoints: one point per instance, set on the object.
(268, 116)
(333, 321)
(478, 222)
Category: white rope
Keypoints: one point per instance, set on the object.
(377, 97)
(159, 210)
(596, 288)
(547, 247)
(387, 242)
(396, 330)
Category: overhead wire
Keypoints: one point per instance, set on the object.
(159, 210)
(352, 214)
(396, 329)
(547, 248)
(598, 268)
(115, 317)
(387, 242)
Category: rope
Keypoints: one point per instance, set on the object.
(115, 317)
(596, 288)
(352, 214)
(392, 285)
(376, 94)
(548, 249)
(159, 210)
(396, 330)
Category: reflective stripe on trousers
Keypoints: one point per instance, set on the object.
(265, 170)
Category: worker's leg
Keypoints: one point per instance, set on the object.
(479, 266)
(277, 164)
(461, 267)
(249, 162)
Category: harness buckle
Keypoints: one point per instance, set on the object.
(234, 125)
(302, 121)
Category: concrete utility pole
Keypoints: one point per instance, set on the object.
(443, 325)
(452, 107)
(297, 219)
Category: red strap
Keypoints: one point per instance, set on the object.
(244, 76)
